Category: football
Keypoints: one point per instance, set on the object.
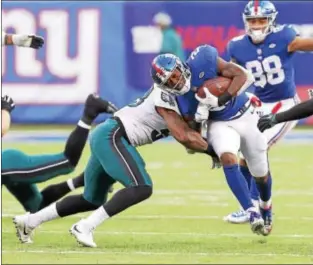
(216, 86)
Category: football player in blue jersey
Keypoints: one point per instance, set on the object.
(267, 51)
(232, 124)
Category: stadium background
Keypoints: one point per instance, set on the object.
(107, 47)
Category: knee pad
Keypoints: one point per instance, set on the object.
(258, 169)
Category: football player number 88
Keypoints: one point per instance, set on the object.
(267, 71)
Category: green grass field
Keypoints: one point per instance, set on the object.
(182, 221)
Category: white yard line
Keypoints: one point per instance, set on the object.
(170, 217)
(148, 253)
(183, 234)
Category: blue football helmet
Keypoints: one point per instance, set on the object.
(258, 10)
(171, 74)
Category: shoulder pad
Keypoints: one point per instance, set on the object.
(165, 100)
(238, 38)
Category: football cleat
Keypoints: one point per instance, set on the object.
(23, 231)
(83, 234)
(239, 217)
(95, 105)
(268, 221)
(256, 221)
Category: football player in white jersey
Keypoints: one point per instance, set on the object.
(267, 51)
(114, 158)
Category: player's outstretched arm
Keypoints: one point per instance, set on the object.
(22, 40)
(300, 111)
(242, 79)
(181, 131)
(301, 44)
(7, 105)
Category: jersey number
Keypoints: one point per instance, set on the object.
(194, 53)
(157, 135)
(267, 71)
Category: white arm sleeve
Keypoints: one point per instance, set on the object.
(250, 79)
(165, 100)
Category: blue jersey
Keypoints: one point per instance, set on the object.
(203, 66)
(270, 62)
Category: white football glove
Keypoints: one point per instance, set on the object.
(202, 113)
(31, 41)
(209, 100)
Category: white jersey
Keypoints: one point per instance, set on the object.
(142, 123)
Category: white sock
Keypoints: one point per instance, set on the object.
(83, 125)
(266, 205)
(70, 184)
(44, 215)
(97, 217)
(251, 209)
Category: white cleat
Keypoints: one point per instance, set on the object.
(23, 231)
(239, 217)
(83, 234)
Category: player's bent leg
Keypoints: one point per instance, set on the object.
(241, 216)
(273, 135)
(226, 142)
(54, 192)
(97, 183)
(96, 188)
(123, 164)
(20, 167)
(254, 149)
(75, 144)
(27, 194)
(111, 137)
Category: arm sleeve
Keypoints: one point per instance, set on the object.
(300, 111)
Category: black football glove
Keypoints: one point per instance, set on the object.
(36, 41)
(31, 41)
(266, 122)
(7, 103)
(111, 108)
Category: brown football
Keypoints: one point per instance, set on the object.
(216, 86)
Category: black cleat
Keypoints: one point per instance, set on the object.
(95, 105)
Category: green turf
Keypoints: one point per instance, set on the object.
(182, 221)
